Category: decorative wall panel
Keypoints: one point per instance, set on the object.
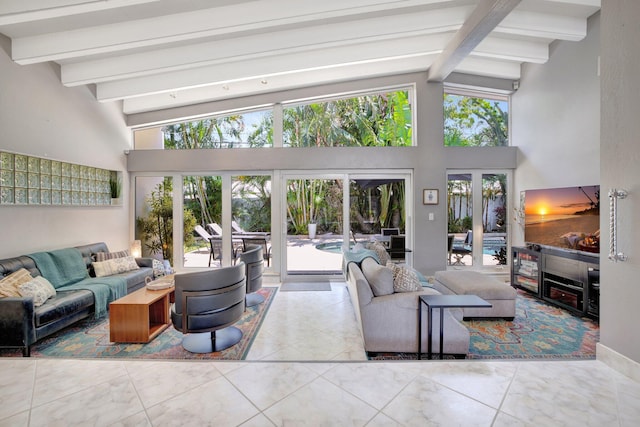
(27, 180)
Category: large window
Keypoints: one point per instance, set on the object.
(369, 120)
(241, 130)
(475, 119)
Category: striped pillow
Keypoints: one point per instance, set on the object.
(9, 285)
(103, 256)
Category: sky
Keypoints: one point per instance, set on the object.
(560, 201)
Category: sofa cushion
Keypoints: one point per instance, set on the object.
(380, 278)
(104, 256)
(115, 266)
(405, 278)
(9, 286)
(475, 283)
(40, 289)
(65, 303)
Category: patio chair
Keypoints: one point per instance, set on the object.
(208, 238)
(460, 252)
(236, 228)
(215, 245)
(214, 228)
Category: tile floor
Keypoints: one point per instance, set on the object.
(276, 389)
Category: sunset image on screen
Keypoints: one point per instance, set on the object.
(565, 217)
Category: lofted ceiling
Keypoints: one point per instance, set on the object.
(159, 54)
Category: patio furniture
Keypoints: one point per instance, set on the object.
(209, 238)
(397, 249)
(207, 304)
(460, 252)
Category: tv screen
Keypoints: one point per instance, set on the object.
(566, 217)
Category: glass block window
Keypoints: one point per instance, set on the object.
(27, 180)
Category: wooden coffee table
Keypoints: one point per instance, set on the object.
(140, 316)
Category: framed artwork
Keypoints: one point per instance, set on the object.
(429, 196)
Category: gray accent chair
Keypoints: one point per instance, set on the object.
(253, 260)
(207, 304)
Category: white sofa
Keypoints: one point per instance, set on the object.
(389, 323)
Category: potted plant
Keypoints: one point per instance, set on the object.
(116, 190)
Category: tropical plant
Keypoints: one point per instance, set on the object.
(115, 185)
(475, 121)
(156, 229)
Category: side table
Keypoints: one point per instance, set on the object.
(442, 302)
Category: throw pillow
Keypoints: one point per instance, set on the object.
(380, 251)
(404, 278)
(40, 289)
(9, 285)
(103, 256)
(158, 269)
(380, 278)
(115, 266)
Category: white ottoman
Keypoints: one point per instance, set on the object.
(501, 295)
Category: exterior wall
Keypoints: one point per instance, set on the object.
(40, 117)
(620, 156)
(556, 119)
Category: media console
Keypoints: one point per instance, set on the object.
(568, 279)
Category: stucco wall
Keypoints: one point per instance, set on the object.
(620, 156)
(40, 117)
(556, 119)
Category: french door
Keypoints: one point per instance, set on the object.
(477, 208)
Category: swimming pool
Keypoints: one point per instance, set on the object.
(333, 247)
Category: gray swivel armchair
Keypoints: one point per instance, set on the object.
(206, 304)
(253, 260)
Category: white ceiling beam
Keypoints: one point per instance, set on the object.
(513, 50)
(21, 11)
(490, 68)
(277, 83)
(485, 17)
(256, 16)
(532, 24)
(299, 39)
(287, 63)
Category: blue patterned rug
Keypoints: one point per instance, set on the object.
(539, 331)
(89, 339)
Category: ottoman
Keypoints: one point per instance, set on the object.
(501, 295)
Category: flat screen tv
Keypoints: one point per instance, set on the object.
(566, 217)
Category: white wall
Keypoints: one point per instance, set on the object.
(620, 157)
(40, 117)
(556, 119)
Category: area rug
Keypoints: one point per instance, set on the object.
(539, 331)
(90, 339)
(305, 286)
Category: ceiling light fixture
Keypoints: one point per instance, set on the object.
(225, 87)
(263, 81)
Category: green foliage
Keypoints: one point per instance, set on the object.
(477, 122)
(367, 120)
(115, 186)
(252, 202)
(156, 230)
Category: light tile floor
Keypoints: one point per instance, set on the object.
(274, 390)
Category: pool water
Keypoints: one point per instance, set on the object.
(333, 247)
